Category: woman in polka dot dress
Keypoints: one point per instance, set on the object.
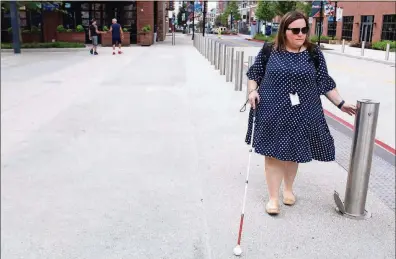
(290, 125)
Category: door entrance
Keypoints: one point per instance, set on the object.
(366, 28)
(104, 12)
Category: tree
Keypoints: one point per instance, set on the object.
(305, 7)
(217, 22)
(265, 11)
(180, 15)
(232, 8)
(283, 7)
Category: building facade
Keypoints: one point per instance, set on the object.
(360, 21)
(131, 15)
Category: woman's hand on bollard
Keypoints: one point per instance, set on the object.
(254, 98)
(349, 108)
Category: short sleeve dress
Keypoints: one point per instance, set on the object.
(297, 133)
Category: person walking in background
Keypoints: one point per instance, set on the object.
(117, 35)
(93, 36)
(285, 84)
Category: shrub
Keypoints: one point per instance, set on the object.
(60, 28)
(80, 28)
(124, 29)
(381, 45)
(315, 38)
(265, 38)
(35, 29)
(146, 28)
(105, 28)
(42, 45)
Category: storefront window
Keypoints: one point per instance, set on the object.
(347, 27)
(389, 27)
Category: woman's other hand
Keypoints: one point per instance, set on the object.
(254, 98)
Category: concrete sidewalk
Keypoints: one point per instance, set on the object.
(150, 162)
(369, 54)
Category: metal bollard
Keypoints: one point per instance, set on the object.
(220, 57)
(223, 60)
(251, 60)
(213, 53)
(209, 49)
(230, 64)
(206, 47)
(343, 46)
(360, 163)
(363, 45)
(387, 51)
(217, 56)
(238, 71)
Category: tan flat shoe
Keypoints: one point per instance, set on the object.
(272, 207)
(289, 199)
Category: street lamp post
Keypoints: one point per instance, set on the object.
(231, 21)
(204, 18)
(320, 21)
(16, 44)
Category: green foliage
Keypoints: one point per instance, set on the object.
(60, 28)
(305, 7)
(283, 7)
(124, 29)
(315, 38)
(265, 38)
(105, 28)
(265, 11)
(232, 7)
(218, 21)
(35, 29)
(58, 44)
(80, 28)
(146, 28)
(381, 45)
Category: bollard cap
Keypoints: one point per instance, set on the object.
(368, 101)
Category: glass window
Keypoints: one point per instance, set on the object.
(389, 27)
(347, 27)
(85, 6)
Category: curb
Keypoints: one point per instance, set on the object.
(362, 58)
(47, 50)
(350, 126)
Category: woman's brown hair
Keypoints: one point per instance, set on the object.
(287, 19)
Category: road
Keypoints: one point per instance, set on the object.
(140, 156)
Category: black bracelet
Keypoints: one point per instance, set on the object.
(341, 104)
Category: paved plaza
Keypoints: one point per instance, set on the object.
(142, 155)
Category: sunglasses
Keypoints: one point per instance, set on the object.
(298, 30)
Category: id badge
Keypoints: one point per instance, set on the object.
(294, 99)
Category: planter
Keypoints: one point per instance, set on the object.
(107, 42)
(71, 36)
(30, 37)
(334, 42)
(146, 38)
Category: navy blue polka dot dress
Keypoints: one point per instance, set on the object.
(289, 132)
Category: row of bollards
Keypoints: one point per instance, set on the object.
(222, 57)
(363, 46)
